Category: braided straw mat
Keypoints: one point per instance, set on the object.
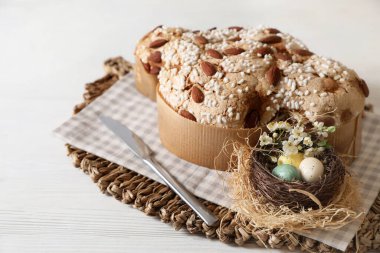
(156, 199)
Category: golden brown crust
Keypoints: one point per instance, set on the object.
(263, 69)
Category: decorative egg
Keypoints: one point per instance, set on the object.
(311, 169)
(294, 159)
(286, 172)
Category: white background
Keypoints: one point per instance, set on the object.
(50, 49)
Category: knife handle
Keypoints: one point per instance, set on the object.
(206, 215)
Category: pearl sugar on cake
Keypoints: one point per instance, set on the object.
(311, 169)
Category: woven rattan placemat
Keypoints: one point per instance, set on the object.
(156, 199)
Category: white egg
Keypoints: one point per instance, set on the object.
(311, 169)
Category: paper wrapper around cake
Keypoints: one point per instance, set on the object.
(206, 145)
(347, 139)
(145, 82)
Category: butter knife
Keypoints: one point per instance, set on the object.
(142, 151)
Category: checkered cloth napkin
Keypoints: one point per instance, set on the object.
(123, 103)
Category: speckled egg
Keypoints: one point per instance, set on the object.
(286, 172)
(311, 169)
(294, 159)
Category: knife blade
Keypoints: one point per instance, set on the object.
(142, 151)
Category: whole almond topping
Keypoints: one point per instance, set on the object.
(146, 66)
(214, 54)
(200, 40)
(346, 115)
(237, 28)
(187, 115)
(155, 57)
(271, 39)
(364, 87)
(252, 119)
(329, 85)
(233, 51)
(154, 29)
(197, 95)
(273, 75)
(327, 120)
(208, 68)
(283, 56)
(157, 43)
(272, 31)
(237, 38)
(262, 51)
(147, 35)
(154, 70)
(280, 47)
(302, 52)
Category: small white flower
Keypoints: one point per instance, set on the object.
(284, 125)
(318, 125)
(310, 152)
(274, 159)
(323, 134)
(289, 148)
(307, 141)
(297, 131)
(321, 149)
(295, 139)
(265, 139)
(275, 135)
(272, 126)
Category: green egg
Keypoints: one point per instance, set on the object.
(286, 172)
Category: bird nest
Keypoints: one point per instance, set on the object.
(266, 202)
(297, 194)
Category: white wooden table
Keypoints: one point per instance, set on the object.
(48, 50)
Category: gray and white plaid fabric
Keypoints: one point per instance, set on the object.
(123, 103)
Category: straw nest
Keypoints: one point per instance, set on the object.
(340, 206)
(297, 194)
